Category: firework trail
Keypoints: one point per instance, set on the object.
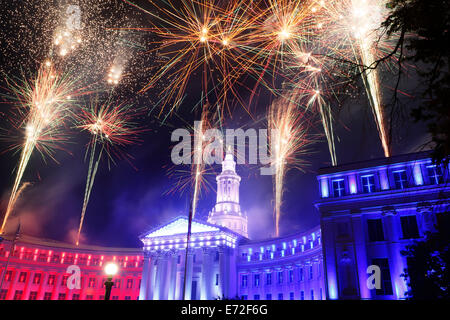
(353, 29)
(288, 125)
(112, 127)
(43, 106)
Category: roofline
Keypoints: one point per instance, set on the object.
(23, 238)
(292, 234)
(407, 157)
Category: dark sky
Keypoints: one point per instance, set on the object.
(127, 201)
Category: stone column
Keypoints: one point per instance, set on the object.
(360, 255)
(27, 288)
(205, 293)
(42, 286)
(330, 265)
(145, 277)
(222, 273)
(173, 274)
(189, 272)
(152, 276)
(158, 286)
(56, 286)
(12, 285)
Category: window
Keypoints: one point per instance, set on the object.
(368, 183)
(409, 227)
(217, 279)
(179, 259)
(280, 296)
(312, 294)
(435, 174)
(375, 227)
(22, 277)
(8, 275)
(321, 294)
(129, 283)
(300, 274)
(48, 296)
(18, 295)
(310, 272)
(256, 280)
(291, 276)
(269, 296)
(400, 179)
(91, 297)
(115, 298)
(33, 295)
(75, 296)
(51, 280)
(244, 281)
(338, 187)
(64, 280)
(42, 257)
(291, 296)
(302, 295)
(3, 294)
(244, 297)
(91, 283)
(280, 277)
(386, 285)
(127, 297)
(256, 297)
(269, 278)
(37, 278)
(62, 296)
(116, 284)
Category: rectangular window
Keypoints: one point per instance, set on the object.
(127, 297)
(256, 297)
(338, 187)
(117, 284)
(300, 274)
(400, 179)
(114, 298)
(244, 297)
(8, 275)
(386, 284)
(256, 280)
(51, 280)
(409, 227)
(217, 279)
(64, 280)
(33, 295)
(244, 281)
(91, 283)
(48, 296)
(435, 174)
(91, 297)
(312, 294)
(62, 296)
(129, 283)
(280, 296)
(22, 277)
(321, 294)
(269, 278)
(302, 295)
(3, 294)
(291, 276)
(75, 296)
(18, 295)
(310, 272)
(269, 296)
(37, 278)
(368, 183)
(178, 259)
(291, 296)
(375, 227)
(280, 277)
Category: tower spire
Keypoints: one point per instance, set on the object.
(227, 211)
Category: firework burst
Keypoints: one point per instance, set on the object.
(43, 106)
(111, 127)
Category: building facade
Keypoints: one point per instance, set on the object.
(369, 212)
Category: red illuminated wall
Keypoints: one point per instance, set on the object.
(37, 270)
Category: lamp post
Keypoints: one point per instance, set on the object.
(110, 269)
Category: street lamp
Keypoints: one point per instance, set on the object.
(110, 269)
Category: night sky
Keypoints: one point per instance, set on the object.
(127, 200)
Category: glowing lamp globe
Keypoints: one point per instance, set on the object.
(111, 269)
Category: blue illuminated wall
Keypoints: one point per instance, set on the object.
(372, 210)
